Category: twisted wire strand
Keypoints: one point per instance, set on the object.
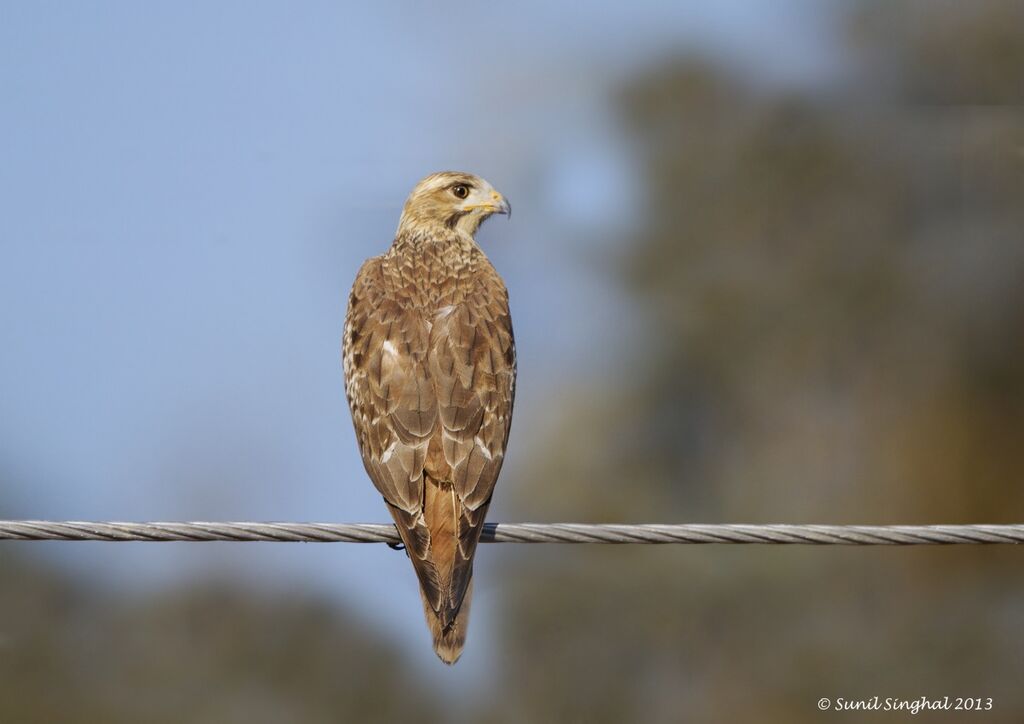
(650, 533)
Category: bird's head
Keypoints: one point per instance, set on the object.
(451, 200)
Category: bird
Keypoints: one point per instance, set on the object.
(430, 370)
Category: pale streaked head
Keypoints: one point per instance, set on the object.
(451, 200)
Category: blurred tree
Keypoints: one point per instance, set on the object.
(212, 654)
(831, 286)
(829, 283)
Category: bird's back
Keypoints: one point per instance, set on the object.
(430, 374)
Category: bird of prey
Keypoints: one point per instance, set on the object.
(430, 369)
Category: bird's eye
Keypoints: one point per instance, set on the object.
(460, 191)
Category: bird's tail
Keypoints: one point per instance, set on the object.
(440, 543)
(449, 640)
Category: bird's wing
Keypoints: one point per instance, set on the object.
(473, 367)
(405, 373)
(394, 408)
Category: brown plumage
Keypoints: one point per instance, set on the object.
(430, 378)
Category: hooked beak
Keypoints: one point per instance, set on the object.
(500, 204)
(497, 204)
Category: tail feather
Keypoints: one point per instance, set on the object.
(449, 640)
(440, 542)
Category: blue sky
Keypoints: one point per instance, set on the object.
(187, 190)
